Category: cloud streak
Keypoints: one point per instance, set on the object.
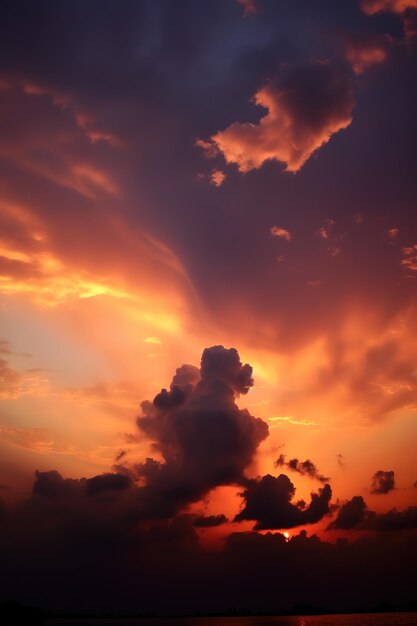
(305, 468)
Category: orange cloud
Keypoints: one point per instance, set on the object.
(407, 9)
(283, 233)
(395, 6)
(217, 178)
(305, 107)
(15, 383)
(409, 260)
(362, 54)
(209, 150)
(38, 440)
(60, 215)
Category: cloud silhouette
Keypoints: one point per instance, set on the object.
(351, 514)
(209, 521)
(355, 515)
(382, 482)
(268, 501)
(305, 468)
(205, 440)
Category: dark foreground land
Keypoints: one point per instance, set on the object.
(14, 614)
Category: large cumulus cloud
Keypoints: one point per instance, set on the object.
(204, 439)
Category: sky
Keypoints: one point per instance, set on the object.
(208, 264)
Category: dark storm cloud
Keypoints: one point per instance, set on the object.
(382, 482)
(305, 468)
(51, 485)
(397, 520)
(355, 515)
(350, 515)
(268, 501)
(204, 438)
(107, 482)
(77, 559)
(210, 521)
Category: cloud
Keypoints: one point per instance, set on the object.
(350, 515)
(283, 233)
(409, 260)
(209, 521)
(397, 520)
(341, 461)
(153, 340)
(120, 455)
(204, 439)
(250, 6)
(410, 24)
(217, 178)
(51, 485)
(406, 9)
(395, 6)
(39, 440)
(379, 379)
(57, 188)
(367, 51)
(268, 502)
(15, 383)
(292, 419)
(305, 468)
(209, 150)
(120, 527)
(54, 543)
(305, 106)
(355, 515)
(382, 482)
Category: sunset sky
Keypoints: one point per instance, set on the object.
(183, 175)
